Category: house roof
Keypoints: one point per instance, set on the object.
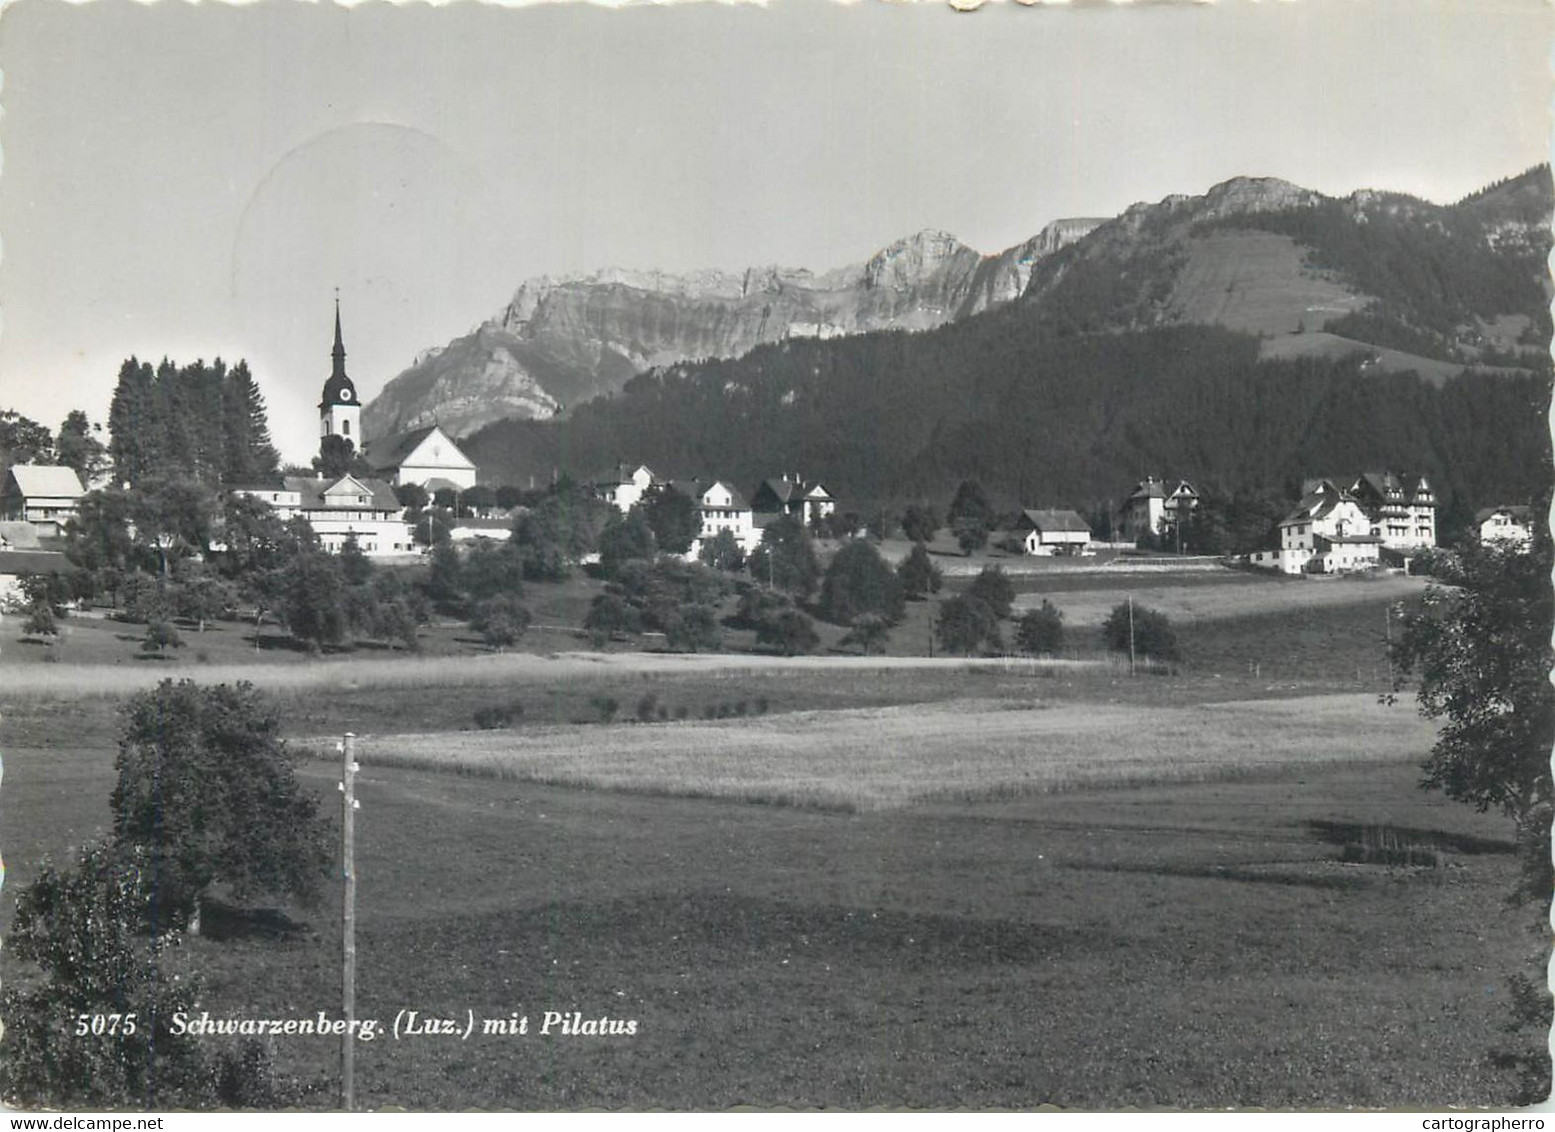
(1056, 521)
(697, 488)
(621, 473)
(1336, 539)
(1150, 488)
(18, 562)
(312, 493)
(47, 479)
(1515, 511)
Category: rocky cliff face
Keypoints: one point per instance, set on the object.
(562, 341)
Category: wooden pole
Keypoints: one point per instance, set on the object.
(1131, 634)
(348, 923)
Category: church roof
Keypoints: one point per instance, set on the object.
(387, 453)
(338, 390)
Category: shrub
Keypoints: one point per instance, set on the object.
(607, 707)
(1152, 632)
(722, 552)
(646, 707)
(40, 622)
(610, 615)
(493, 717)
(161, 636)
(1040, 631)
(692, 628)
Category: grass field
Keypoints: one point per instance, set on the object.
(883, 758)
(886, 883)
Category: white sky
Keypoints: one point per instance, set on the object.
(194, 181)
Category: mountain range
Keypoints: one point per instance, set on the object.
(562, 341)
(1247, 337)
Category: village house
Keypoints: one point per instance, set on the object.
(347, 507)
(1154, 508)
(719, 507)
(791, 495)
(1402, 510)
(1509, 524)
(1051, 532)
(45, 495)
(624, 486)
(15, 565)
(1328, 532)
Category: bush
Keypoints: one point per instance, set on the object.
(647, 707)
(40, 623)
(692, 628)
(722, 552)
(607, 706)
(1040, 632)
(1153, 635)
(609, 616)
(161, 636)
(495, 717)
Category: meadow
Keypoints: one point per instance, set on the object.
(839, 882)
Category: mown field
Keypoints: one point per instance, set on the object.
(858, 884)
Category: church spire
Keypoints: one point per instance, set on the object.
(339, 352)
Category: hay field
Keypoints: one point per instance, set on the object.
(966, 750)
(1187, 604)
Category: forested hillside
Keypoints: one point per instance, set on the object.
(1042, 417)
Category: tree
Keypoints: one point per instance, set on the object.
(625, 537)
(412, 496)
(789, 631)
(338, 457)
(23, 440)
(786, 557)
(500, 621)
(918, 575)
(355, 566)
(445, 581)
(722, 552)
(206, 789)
(993, 588)
(966, 626)
(920, 522)
(692, 628)
(869, 632)
(672, 516)
(971, 516)
(160, 636)
(78, 449)
(40, 623)
(1480, 647)
(857, 582)
(609, 616)
(493, 570)
(1040, 632)
(1150, 631)
(249, 456)
(314, 604)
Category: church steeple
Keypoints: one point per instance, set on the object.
(339, 413)
(339, 352)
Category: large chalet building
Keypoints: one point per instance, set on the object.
(1376, 519)
(1155, 507)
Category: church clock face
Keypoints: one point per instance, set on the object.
(345, 395)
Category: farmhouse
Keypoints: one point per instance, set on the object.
(46, 495)
(1052, 532)
(1509, 524)
(340, 509)
(1153, 508)
(791, 495)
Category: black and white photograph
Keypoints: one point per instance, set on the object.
(784, 556)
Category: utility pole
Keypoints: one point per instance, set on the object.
(348, 807)
(1131, 634)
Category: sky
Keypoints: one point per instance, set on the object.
(193, 181)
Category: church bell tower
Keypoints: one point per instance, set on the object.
(339, 412)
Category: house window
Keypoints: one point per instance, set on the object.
(345, 428)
